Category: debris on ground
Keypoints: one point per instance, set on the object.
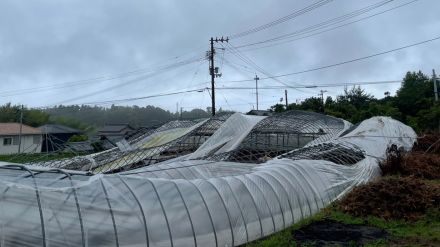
(428, 143)
(328, 232)
(407, 198)
(416, 163)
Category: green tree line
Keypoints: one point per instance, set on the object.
(413, 104)
(88, 118)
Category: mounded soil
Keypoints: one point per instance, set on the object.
(407, 198)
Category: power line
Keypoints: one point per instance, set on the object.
(237, 88)
(321, 32)
(325, 24)
(95, 79)
(282, 19)
(125, 83)
(345, 62)
(313, 85)
(254, 65)
(144, 97)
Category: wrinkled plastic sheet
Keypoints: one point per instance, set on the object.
(188, 203)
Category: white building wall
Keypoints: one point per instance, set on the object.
(27, 144)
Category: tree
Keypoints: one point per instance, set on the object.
(356, 96)
(416, 93)
(34, 117)
(277, 108)
(312, 104)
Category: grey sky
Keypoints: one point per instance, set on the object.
(45, 43)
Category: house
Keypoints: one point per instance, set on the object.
(55, 136)
(31, 139)
(115, 132)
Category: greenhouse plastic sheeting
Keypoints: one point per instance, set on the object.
(229, 136)
(199, 203)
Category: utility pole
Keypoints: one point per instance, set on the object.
(213, 71)
(256, 88)
(21, 129)
(285, 97)
(322, 98)
(434, 79)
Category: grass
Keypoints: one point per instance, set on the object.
(424, 232)
(24, 158)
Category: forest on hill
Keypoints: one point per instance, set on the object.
(89, 118)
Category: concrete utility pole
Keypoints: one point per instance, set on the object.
(434, 79)
(321, 93)
(285, 97)
(21, 129)
(256, 88)
(213, 71)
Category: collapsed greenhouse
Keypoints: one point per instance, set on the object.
(248, 178)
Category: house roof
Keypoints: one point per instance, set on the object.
(58, 129)
(14, 129)
(114, 128)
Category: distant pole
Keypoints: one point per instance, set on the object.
(285, 96)
(256, 88)
(181, 110)
(47, 143)
(434, 79)
(322, 98)
(21, 129)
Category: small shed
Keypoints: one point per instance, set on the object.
(55, 136)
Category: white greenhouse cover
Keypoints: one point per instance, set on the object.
(229, 136)
(187, 203)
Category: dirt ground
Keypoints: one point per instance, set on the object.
(332, 233)
(406, 198)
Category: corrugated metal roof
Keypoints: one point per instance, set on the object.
(58, 129)
(14, 129)
(114, 128)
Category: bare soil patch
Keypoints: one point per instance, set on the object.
(329, 233)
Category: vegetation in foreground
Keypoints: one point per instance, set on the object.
(425, 231)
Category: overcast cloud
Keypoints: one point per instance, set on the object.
(45, 43)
